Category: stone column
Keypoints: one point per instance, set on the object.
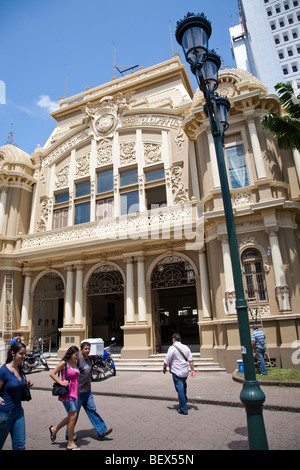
(257, 153)
(229, 282)
(130, 313)
(78, 295)
(142, 317)
(213, 160)
(68, 316)
(281, 287)
(3, 199)
(296, 155)
(205, 293)
(26, 299)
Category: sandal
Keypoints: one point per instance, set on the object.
(73, 448)
(52, 435)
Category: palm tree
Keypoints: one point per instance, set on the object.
(285, 128)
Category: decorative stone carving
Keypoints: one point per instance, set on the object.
(83, 165)
(62, 177)
(178, 190)
(127, 153)
(104, 152)
(242, 199)
(152, 152)
(103, 117)
(42, 223)
(64, 147)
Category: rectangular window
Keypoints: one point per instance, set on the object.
(105, 181)
(237, 167)
(82, 213)
(83, 189)
(60, 218)
(156, 197)
(128, 177)
(154, 175)
(105, 208)
(62, 197)
(129, 202)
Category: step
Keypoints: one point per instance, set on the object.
(152, 364)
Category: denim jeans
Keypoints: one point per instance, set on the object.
(13, 422)
(87, 401)
(181, 386)
(262, 365)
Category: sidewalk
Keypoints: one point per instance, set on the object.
(216, 388)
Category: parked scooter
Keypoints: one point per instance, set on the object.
(103, 363)
(34, 359)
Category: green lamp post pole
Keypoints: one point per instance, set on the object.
(192, 33)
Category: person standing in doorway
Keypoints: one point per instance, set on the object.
(179, 358)
(85, 396)
(258, 339)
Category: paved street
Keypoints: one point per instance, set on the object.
(154, 424)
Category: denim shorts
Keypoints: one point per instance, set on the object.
(70, 406)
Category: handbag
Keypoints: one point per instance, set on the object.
(58, 389)
(25, 394)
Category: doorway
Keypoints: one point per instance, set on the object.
(174, 302)
(106, 304)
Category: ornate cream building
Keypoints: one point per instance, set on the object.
(116, 226)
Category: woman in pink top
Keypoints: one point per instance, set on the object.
(69, 400)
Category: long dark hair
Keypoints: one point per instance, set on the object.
(15, 347)
(72, 350)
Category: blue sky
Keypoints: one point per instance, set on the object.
(41, 39)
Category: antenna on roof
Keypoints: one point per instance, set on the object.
(10, 137)
(171, 37)
(67, 80)
(125, 68)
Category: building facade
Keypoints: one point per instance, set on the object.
(266, 43)
(116, 226)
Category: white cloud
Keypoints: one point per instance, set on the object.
(46, 103)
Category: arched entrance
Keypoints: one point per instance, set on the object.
(105, 294)
(175, 302)
(48, 308)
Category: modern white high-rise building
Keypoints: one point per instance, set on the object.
(266, 43)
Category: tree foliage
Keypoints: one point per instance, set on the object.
(285, 128)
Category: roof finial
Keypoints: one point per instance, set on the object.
(10, 138)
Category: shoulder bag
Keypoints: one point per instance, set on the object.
(58, 389)
(186, 360)
(26, 395)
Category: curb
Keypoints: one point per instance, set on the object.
(201, 401)
(236, 378)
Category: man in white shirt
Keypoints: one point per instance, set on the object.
(179, 358)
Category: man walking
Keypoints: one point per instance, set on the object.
(258, 344)
(179, 358)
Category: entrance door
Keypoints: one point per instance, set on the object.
(48, 310)
(179, 314)
(106, 304)
(107, 317)
(173, 280)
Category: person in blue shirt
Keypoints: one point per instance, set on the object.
(16, 338)
(12, 383)
(259, 345)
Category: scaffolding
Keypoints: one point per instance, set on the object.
(7, 322)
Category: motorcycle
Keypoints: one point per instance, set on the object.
(34, 359)
(103, 363)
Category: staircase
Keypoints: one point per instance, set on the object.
(154, 363)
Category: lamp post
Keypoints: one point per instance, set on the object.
(193, 33)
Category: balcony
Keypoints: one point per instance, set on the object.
(180, 222)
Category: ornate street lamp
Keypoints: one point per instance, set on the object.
(192, 33)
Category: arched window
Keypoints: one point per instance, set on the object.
(254, 276)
